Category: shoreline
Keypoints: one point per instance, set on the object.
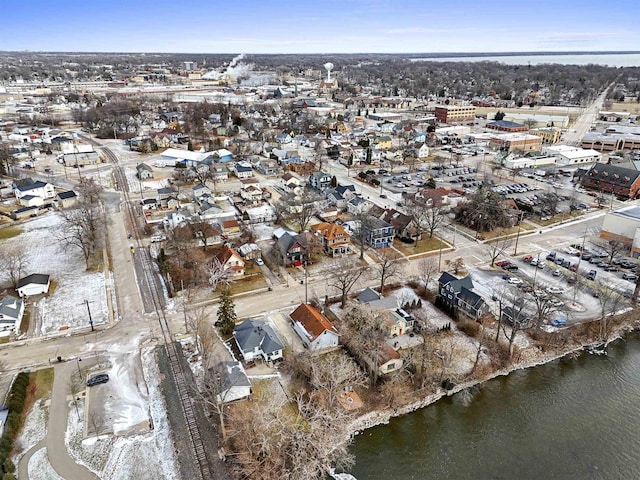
(383, 417)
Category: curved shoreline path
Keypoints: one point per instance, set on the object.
(57, 452)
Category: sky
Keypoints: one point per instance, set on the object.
(320, 26)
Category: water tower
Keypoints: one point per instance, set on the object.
(328, 67)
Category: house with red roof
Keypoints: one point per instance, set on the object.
(231, 261)
(315, 330)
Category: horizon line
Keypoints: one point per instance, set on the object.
(426, 54)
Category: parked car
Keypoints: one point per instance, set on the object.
(515, 281)
(259, 261)
(559, 322)
(383, 196)
(556, 273)
(527, 258)
(630, 276)
(541, 264)
(502, 263)
(551, 256)
(97, 379)
(555, 290)
(591, 275)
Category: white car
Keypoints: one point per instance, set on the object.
(571, 250)
(555, 290)
(259, 261)
(541, 264)
(158, 238)
(515, 281)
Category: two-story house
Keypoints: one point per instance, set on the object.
(378, 233)
(26, 187)
(243, 170)
(231, 262)
(320, 181)
(293, 250)
(257, 340)
(334, 238)
(314, 329)
(458, 294)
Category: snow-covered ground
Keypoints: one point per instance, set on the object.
(65, 306)
(147, 185)
(262, 231)
(147, 456)
(40, 468)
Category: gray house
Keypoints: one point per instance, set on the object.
(144, 171)
(458, 293)
(256, 340)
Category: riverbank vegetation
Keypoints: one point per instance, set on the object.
(291, 427)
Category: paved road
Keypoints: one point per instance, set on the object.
(584, 122)
(23, 464)
(56, 448)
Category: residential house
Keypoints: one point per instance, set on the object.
(394, 322)
(402, 224)
(66, 199)
(27, 186)
(11, 311)
(623, 182)
(375, 301)
(335, 239)
(243, 170)
(293, 250)
(200, 191)
(235, 383)
(144, 171)
(268, 167)
(257, 340)
(34, 284)
(251, 194)
(283, 138)
(347, 191)
(335, 199)
(231, 227)
(26, 212)
(249, 251)
(384, 142)
(166, 192)
(458, 293)
(314, 329)
(378, 233)
(223, 155)
(320, 181)
(423, 151)
(231, 262)
(358, 205)
(385, 360)
(261, 214)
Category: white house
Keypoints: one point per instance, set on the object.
(11, 311)
(37, 189)
(34, 284)
(423, 151)
(315, 330)
(257, 340)
(243, 170)
(235, 383)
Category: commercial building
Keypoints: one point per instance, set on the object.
(568, 155)
(623, 182)
(455, 114)
(522, 142)
(623, 226)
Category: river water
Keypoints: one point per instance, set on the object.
(569, 419)
(610, 59)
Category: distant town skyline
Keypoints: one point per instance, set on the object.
(330, 26)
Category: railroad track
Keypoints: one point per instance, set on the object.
(155, 298)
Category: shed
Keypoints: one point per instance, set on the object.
(34, 284)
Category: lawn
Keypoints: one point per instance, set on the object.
(424, 246)
(513, 231)
(9, 232)
(560, 218)
(40, 385)
(246, 284)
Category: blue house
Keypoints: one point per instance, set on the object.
(320, 181)
(224, 155)
(378, 233)
(420, 137)
(283, 138)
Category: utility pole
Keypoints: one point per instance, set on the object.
(306, 285)
(89, 312)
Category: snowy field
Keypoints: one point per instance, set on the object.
(64, 307)
(40, 468)
(147, 185)
(147, 456)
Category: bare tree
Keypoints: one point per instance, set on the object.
(363, 224)
(613, 248)
(204, 231)
(218, 273)
(331, 373)
(14, 261)
(427, 215)
(388, 267)
(343, 278)
(515, 314)
(542, 306)
(300, 209)
(427, 269)
(609, 301)
(497, 248)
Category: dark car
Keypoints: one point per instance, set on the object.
(511, 267)
(586, 256)
(383, 196)
(98, 379)
(630, 276)
(551, 256)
